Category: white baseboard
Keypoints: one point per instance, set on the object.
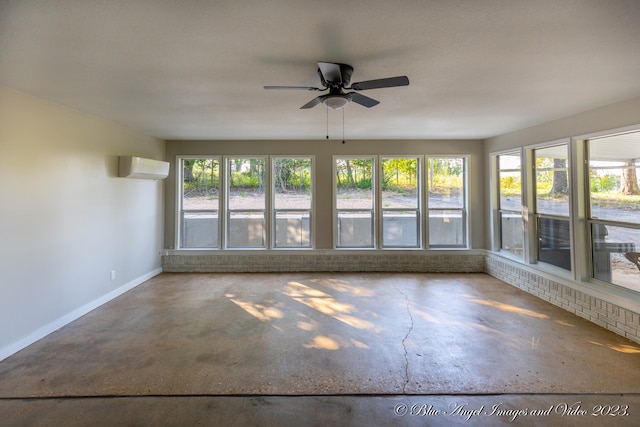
(75, 314)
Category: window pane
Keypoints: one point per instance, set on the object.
(293, 229)
(614, 171)
(246, 229)
(400, 177)
(446, 202)
(400, 190)
(400, 228)
(246, 203)
(200, 230)
(355, 229)
(292, 183)
(552, 180)
(354, 203)
(446, 228)
(554, 245)
(510, 203)
(200, 203)
(512, 235)
(201, 183)
(354, 188)
(246, 183)
(446, 183)
(292, 202)
(510, 182)
(615, 255)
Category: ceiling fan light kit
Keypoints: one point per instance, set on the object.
(335, 101)
(335, 78)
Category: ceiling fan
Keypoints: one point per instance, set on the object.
(336, 79)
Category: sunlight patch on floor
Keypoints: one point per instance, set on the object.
(324, 343)
(510, 308)
(296, 289)
(344, 287)
(426, 316)
(620, 348)
(259, 311)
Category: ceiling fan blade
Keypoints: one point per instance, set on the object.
(381, 83)
(315, 101)
(363, 100)
(291, 87)
(330, 72)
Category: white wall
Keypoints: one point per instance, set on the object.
(612, 116)
(66, 219)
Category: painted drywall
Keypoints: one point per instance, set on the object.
(323, 152)
(66, 219)
(609, 117)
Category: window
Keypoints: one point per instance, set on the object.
(400, 202)
(246, 203)
(614, 202)
(199, 203)
(354, 202)
(552, 205)
(510, 203)
(267, 202)
(447, 202)
(292, 202)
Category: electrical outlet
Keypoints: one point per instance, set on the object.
(113, 275)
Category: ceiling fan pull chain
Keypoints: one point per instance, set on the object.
(343, 125)
(327, 108)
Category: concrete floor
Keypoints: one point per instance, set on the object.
(324, 349)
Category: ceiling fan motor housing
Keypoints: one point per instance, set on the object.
(346, 71)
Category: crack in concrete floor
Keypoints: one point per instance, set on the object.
(404, 341)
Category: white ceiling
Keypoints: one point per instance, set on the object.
(195, 69)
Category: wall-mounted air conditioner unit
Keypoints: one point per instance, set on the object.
(137, 167)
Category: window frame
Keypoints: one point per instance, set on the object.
(590, 220)
(180, 211)
(465, 202)
(274, 210)
(374, 202)
(498, 235)
(580, 218)
(419, 203)
(533, 229)
(270, 213)
(266, 232)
